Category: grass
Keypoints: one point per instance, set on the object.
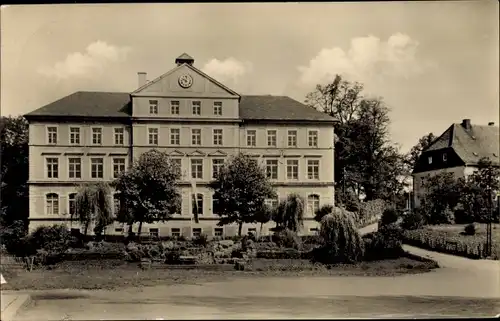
(115, 274)
(449, 239)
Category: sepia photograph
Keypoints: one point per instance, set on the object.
(282, 160)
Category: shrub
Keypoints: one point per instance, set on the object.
(15, 239)
(383, 244)
(342, 241)
(55, 238)
(413, 220)
(390, 215)
(287, 238)
(279, 255)
(470, 229)
(371, 209)
(322, 211)
(201, 240)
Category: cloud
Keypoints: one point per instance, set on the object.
(230, 70)
(96, 57)
(368, 59)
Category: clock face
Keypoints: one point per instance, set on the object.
(185, 81)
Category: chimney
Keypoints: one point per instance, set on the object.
(491, 123)
(141, 78)
(466, 124)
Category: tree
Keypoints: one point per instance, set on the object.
(241, 188)
(365, 160)
(263, 216)
(423, 143)
(14, 172)
(322, 212)
(148, 191)
(442, 193)
(290, 213)
(93, 207)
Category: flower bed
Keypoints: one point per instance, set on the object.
(448, 239)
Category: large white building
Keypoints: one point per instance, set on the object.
(92, 136)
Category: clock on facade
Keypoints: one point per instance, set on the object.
(185, 81)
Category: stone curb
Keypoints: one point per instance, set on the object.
(11, 310)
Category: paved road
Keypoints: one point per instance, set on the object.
(462, 287)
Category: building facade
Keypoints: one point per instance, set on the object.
(458, 151)
(93, 136)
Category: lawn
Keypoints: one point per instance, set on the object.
(449, 239)
(115, 274)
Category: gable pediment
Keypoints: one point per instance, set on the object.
(174, 84)
(176, 153)
(218, 153)
(197, 153)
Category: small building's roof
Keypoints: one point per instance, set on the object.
(114, 104)
(470, 144)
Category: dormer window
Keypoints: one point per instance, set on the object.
(429, 159)
(445, 157)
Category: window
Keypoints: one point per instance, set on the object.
(197, 204)
(116, 203)
(313, 169)
(271, 138)
(272, 168)
(312, 204)
(153, 107)
(292, 138)
(252, 230)
(52, 167)
(74, 135)
(197, 108)
(445, 157)
(197, 168)
(218, 231)
(153, 136)
(72, 203)
(176, 232)
(52, 201)
(217, 136)
(75, 167)
(216, 166)
(292, 169)
(272, 202)
(313, 138)
(175, 136)
(96, 136)
(218, 108)
(430, 159)
(119, 136)
(174, 107)
(119, 230)
(313, 230)
(177, 162)
(196, 232)
(215, 205)
(196, 136)
(118, 166)
(52, 135)
(153, 232)
(251, 137)
(96, 167)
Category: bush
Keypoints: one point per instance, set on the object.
(15, 239)
(470, 229)
(390, 215)
(201, 240)
(413, 220)
(384, 244)
(342, 241)
(55, 238)
(322, 211)
(280, 255)
(370, 210)
(287, 238)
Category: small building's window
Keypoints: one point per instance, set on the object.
(445, 157)
(430, 159)
(313, 230)
(176, 232)
(119, 230)
(153, 232)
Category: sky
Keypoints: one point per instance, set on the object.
(434, 63)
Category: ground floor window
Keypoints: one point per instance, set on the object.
(153, 232)
(196, 232)
(313, 230)
(252, 230)
(119, 230)
(218, 231)
(176, 232)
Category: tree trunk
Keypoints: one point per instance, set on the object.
(240, 226)
(139, 231)
(260, 232)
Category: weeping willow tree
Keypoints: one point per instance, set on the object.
(289, 213)
(93, 207)
(342, 241)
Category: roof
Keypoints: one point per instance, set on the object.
(470, 145)
(113, 104)
(185, 56)
(267, 107)
(88, 104)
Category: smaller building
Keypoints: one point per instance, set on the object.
(458, 151)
